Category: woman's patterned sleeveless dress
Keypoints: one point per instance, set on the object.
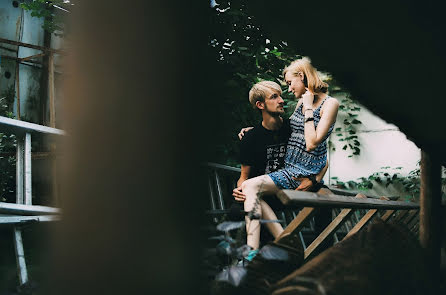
(299, 162)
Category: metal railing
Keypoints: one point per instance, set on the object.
(23, 211)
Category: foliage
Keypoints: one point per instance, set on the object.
(245, 54)
(52, 22)
(387, 176)
(349, 110)
(7, 150)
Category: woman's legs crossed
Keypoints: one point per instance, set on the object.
(251, 188)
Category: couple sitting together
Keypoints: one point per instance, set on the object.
(284, 153)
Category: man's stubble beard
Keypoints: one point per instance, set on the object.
(274, 114)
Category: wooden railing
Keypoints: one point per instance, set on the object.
(398, 211)
(350, 214)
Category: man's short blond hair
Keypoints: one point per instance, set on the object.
(259, 91)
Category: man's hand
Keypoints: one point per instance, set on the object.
(239, 195)
(242, 132)
(305, 183)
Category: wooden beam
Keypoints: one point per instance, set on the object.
(298, 198)
(400, 215)
(363, 222)
(330, 229)
(8, 49)
(37, 47)
(412, 214)
(32, 57)
(297, 223)
(19, 60)
(430, 212)
(387, 215)
(51, 91)
(17, 70)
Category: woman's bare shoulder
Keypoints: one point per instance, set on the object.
(332, 102)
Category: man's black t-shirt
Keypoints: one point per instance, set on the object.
(264, 150)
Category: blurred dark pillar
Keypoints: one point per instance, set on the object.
(430, 213)
(136, 117)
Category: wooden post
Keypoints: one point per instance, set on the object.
(51, 90)
(54, 184)
(18, 89)
(430, 210)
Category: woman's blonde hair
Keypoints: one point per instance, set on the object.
(258, 91)
(311, 78)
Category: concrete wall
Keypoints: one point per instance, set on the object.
(18, 25)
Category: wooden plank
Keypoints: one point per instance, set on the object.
(19, 60)
(352, 193)
(51, 91)
(363, 222)
(52, 106)
(298, 198)
(331, 228)
(32, 57)
(9, 49)
(400, 215)
(17, 77)
(37, 47)
(297, 223)
(387, 215)
(410, 216)
(430, 213)
(414, 223)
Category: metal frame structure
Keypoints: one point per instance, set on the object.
(24, 211)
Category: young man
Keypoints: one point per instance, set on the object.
(263, 148)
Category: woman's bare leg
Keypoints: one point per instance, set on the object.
(251, 188)
(274, 228)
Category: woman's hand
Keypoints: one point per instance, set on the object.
(308, 99)
(242, 132)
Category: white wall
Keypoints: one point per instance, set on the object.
(382, 145)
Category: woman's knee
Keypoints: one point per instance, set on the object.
(253, 183)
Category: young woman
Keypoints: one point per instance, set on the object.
(311, 124)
